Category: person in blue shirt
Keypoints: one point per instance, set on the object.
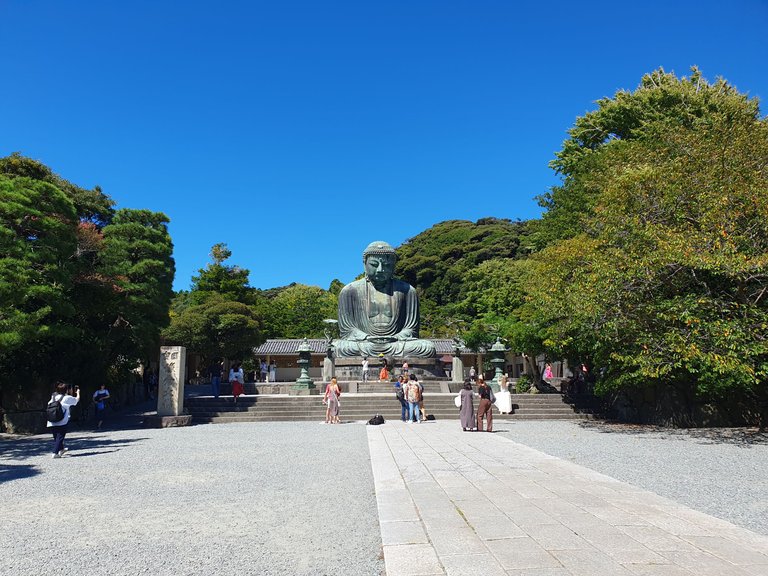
(100, 398)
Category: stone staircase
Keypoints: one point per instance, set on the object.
(362, 406)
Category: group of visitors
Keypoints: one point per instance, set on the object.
(59, 411)
(265, 372)
(410, 393)
(469, 420)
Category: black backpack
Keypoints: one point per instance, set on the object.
(376, 420)
(54, 412)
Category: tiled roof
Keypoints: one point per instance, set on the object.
(284, 347)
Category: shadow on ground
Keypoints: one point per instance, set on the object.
(743, 437)
(20, 449)
(10, 472)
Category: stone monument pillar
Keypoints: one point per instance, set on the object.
(170, 390)
(457, 368)
(329, 365)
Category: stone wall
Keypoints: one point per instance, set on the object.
(680, 406)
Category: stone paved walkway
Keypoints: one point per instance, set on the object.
(453, 502)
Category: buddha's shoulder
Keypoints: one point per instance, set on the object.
(355, 286)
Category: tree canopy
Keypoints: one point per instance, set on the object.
(439, 260)
(656, 258)
(84, 290)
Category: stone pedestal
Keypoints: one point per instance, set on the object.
(329, 369)
(167, 421)
(170, 391)
(351, 368)
(457, 371)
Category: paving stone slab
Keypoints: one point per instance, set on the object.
(486, 504)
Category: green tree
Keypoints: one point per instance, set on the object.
(663, 277)
(438, 261)
(137, 253)
(38, 239)
(81, 297)
(298, 311)
(219, 278)
(217, 327)
(221, 316)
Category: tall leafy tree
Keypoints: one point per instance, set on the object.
(38, 239)
(219, 316)
(137, 255)
(660, 274)
(298, 311)
(73, 275)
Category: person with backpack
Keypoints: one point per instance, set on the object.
(413, 395)
(58, 414)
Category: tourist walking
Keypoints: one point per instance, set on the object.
(62, 394)
(215, 373)
(467, 409)
(472, 374)
(413, 395)
(264, 371)
(331, 400)
(547, 373)
(400, 395)
(237, 380)
(404, 369)
(365, 369)
(273, 371)
(100, 398)
(485, 408)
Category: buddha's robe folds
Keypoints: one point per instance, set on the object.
(373, 321)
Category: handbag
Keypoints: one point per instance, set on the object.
(457, 401)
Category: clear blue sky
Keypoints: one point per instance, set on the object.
(298, 132)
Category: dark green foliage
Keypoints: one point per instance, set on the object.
(439, 260)
(38, 239)
(657, 256)
(217, 317)
(218, 327)
(92, 205)
(84, 291)
(298, 311)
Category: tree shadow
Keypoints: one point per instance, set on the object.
(20, 449)
(10, 472)
(741, 437)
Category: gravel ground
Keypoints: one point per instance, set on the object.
(228, 499)
(722, 472)
(298, 498)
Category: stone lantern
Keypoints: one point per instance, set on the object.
(304, 385)
(498, 359)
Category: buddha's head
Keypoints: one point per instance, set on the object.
(379, 259)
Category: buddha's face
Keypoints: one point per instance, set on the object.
(379, 268)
